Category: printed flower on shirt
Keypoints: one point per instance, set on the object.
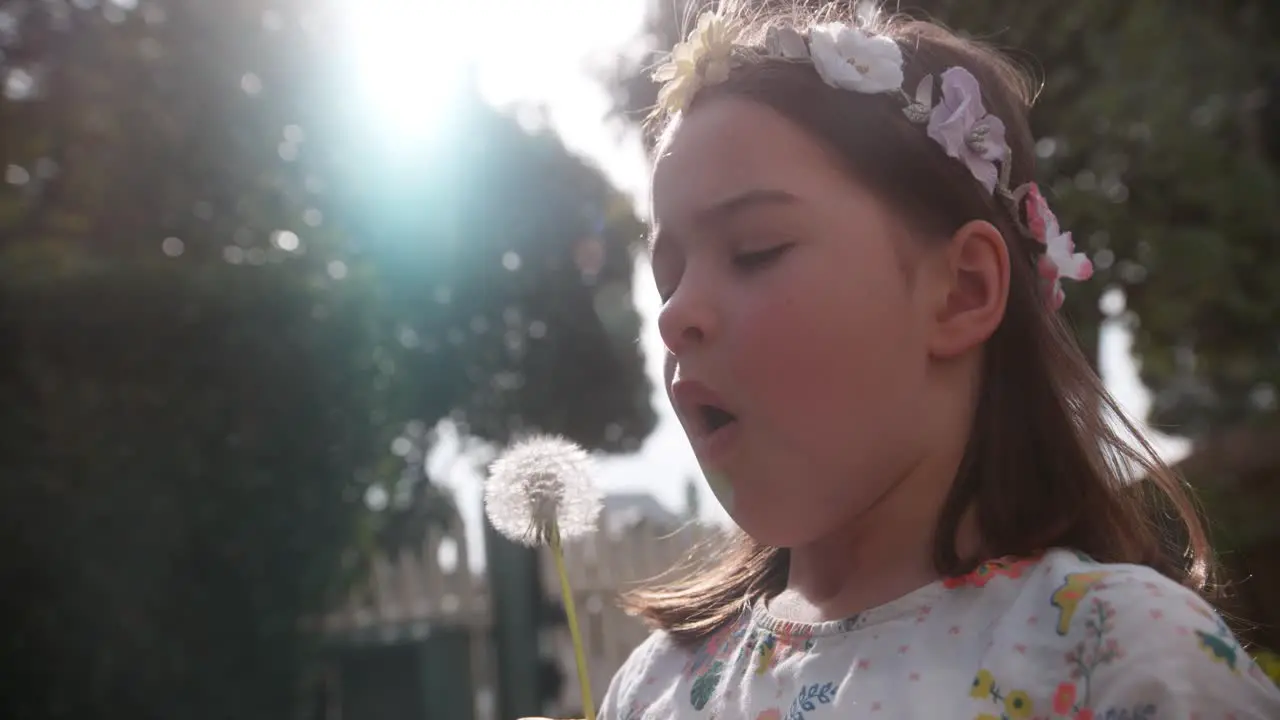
(1068, 596)
(1219, 643)
(705, 686)
(766, 652)
(716, 648)
(707, 664)
(771, 648)
(1269, 663)
(1018, 705)
(1064, 698)
(1097, 648)
(984, 685)
(1065, 707)
(1219, 649)
(810, 698)
(1014, 705)
(1003, 567)
(1110, 631)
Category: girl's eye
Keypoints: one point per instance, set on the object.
(761, 258)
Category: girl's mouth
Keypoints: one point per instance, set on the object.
(712, 429)
(714, 418)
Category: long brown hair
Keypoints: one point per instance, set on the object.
(1051, 459)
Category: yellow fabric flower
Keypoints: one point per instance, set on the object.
(703, 59)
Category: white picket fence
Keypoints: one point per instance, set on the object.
(406, 596)
(414, 588)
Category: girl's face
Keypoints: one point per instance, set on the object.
(796, 323)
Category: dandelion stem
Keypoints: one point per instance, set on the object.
(571, 614)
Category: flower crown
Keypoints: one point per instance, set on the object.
(850, 57)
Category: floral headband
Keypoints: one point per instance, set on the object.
(849, 57)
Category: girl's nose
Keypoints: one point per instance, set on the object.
(688, 318)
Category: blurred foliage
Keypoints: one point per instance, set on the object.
(1158, 130)
(229, 314)
(173, 499)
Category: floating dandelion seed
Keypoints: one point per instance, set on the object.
(540, 492)
(539, 485)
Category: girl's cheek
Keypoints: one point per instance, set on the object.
(767, 339)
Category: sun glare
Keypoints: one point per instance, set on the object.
(408, 65)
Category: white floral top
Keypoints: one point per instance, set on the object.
(1059, 636)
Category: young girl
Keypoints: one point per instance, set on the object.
(860, 284)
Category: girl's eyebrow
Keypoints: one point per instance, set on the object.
(722, 211)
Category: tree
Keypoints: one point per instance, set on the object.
(216, 346)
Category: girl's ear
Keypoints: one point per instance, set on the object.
(972, 276)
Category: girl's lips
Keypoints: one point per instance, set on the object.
(715, 446)
(712, 427)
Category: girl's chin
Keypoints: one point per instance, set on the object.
(721, 488)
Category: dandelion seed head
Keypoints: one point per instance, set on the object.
(538, 483)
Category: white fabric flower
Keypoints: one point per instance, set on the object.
(703, 59)
(852, 59)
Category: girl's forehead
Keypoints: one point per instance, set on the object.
(724, 142)
(730, 148)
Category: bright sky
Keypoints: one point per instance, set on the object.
(551, 53)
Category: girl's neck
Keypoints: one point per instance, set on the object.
(879, 555)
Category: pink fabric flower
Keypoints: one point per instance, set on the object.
(1040, 219)
(962, 126)
(1060, 260)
